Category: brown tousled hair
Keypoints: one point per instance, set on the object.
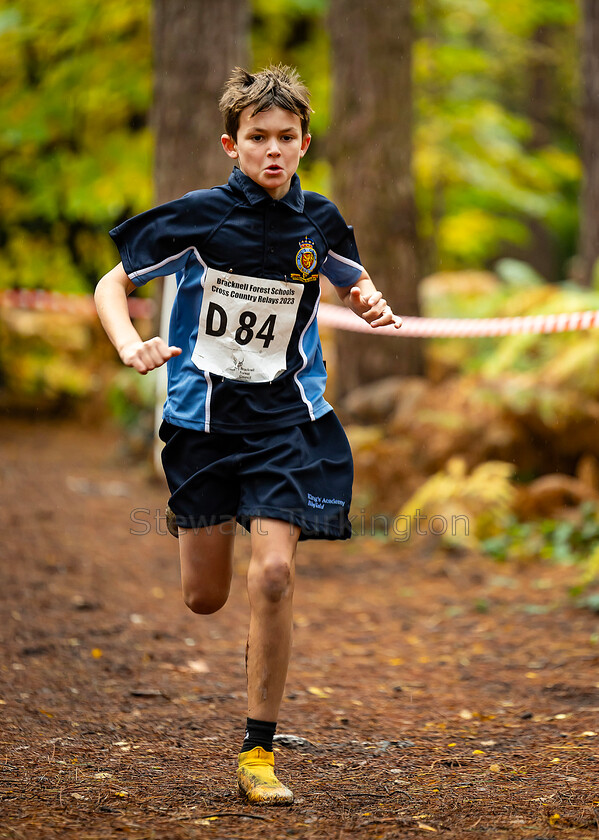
(275, 86)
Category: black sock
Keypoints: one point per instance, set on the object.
(258, 733)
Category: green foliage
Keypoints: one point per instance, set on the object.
(561, 541)
(75, 150)
(485, 165)
(566, 542)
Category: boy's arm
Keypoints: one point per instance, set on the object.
(367, 302)
(111, 302)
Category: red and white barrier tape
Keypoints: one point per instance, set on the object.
(41, 300)
(341, 318)
(337, 317)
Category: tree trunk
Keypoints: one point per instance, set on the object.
(196, 45)
(589, 223)
(371, 150)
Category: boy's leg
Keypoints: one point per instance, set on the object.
(206, 556)
(271, 577)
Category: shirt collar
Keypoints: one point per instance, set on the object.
(254, 193)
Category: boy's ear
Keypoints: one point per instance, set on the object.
(230, 146)
(305, 143)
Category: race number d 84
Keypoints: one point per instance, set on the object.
(245, 326)
(216, 325)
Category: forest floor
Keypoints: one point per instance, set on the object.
(431, 693)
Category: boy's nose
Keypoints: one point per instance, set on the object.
(273, 148)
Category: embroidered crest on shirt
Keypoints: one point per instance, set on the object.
(306, 259)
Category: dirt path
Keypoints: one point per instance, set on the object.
(433, 694)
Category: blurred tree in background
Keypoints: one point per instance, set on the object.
(188, 83)
(371, 150)
(187, 86)
(589, 232)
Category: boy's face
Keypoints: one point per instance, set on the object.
(268, 148)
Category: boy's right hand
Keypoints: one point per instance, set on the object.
(147, 355)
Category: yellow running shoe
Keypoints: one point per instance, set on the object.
(257, 780)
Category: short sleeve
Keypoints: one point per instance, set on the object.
(160, 241)
(341, 264)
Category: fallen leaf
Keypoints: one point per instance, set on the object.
(317, 692)
(198, 666)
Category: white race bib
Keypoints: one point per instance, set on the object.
(245, 326)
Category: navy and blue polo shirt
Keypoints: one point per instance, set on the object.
(239, 228)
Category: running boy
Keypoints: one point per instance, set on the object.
(248, 434)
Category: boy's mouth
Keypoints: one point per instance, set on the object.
(274, 168)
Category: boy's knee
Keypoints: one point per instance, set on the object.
(204, 603)
(273, 579)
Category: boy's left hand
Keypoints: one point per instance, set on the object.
(373, 308)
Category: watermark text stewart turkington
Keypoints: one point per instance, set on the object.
(400, 527)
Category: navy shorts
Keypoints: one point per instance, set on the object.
(300, 474)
